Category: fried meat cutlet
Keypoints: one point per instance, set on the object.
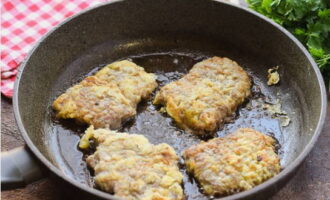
(131, 79)
(130, 167)
(237, 162)
(202, 99)
(108, 98)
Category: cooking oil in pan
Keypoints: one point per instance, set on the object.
(160, 128)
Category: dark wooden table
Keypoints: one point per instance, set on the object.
(312, 181)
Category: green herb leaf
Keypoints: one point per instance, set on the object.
(308, 20)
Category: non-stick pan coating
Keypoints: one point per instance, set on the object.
(167, 37)
(168, 65)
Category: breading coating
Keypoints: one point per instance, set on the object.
(273, 76)
(237, 162)
(94, 102)
(128, 166)
(131, 79)
(108, 98)
(202, 99)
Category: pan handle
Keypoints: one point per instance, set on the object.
(18, 168)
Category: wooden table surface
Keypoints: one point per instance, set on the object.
(312, 181)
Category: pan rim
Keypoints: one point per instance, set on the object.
(265, 185)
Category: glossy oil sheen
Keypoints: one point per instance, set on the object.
(160, 128)
(153, 33)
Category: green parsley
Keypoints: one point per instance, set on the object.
(308, 20)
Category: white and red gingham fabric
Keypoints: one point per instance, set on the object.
(23, 22)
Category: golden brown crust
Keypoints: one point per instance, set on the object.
(202, 99)
(130, 167)
(108, 98)
(237, 162)
(96, 102)
(131, 79)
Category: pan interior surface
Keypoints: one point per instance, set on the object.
(169, 65)
(167, 37)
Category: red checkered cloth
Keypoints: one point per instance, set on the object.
(23, 22)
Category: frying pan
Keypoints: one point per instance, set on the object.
(166, 37)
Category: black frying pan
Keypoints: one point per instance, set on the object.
(166, 37)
